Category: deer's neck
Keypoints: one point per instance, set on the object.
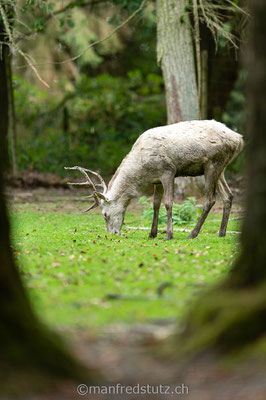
(123, 187)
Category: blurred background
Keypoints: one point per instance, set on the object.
(100, 102)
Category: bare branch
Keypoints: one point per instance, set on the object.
(72, 5)
(213, 16)
(96, 42)
(237, 8)
(13, 45)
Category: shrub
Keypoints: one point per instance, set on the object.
(94, 125)
(183, 214)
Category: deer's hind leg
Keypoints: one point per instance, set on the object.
(211, 178)
(227, 198)
(157, 199)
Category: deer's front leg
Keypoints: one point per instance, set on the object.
(168, 186)
(157, 199)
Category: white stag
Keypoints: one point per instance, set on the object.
(159, 155)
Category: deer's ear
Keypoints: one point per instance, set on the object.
(102, 196)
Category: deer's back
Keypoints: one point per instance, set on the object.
(186, 146)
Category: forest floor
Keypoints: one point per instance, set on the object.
(78, 275)
(115, 300)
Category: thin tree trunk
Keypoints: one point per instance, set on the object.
(12, 116)
(204, 84)
(198, 52)
(175, 54)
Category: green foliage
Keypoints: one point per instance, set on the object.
(94, 126)
(36, 12)
(78, 275)
(235, 116)
(76, 25)
(183, 214)
(131, 6)
(105, 114)
(78, 31)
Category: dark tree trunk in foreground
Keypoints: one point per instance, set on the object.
(250, 269)
(26, 346)
(234, 314)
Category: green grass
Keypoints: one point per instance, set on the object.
(77, 275)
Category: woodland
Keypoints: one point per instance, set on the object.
(82, 311)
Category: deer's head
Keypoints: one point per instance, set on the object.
(113, 211)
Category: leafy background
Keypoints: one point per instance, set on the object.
(99, 104)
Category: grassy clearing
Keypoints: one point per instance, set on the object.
(78, 275)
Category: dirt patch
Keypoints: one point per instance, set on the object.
(32, 180)
(71, 199)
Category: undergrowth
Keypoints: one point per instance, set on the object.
(183, 214)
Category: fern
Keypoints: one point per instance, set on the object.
(183, 214)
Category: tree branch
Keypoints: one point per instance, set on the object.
(96, 42)
(211, 14)
(73, 4)
(13, 45)
(70, 6)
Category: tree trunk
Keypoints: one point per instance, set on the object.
(250, 268)
(175, 54)
(12, 116)
(233, 315)
(25, 344)
(204, 85)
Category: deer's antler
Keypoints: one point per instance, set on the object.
(102, 184)
(90, 183)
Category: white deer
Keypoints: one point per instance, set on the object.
(159, 155)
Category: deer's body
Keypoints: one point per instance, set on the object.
(184, 148)
(159, 155)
